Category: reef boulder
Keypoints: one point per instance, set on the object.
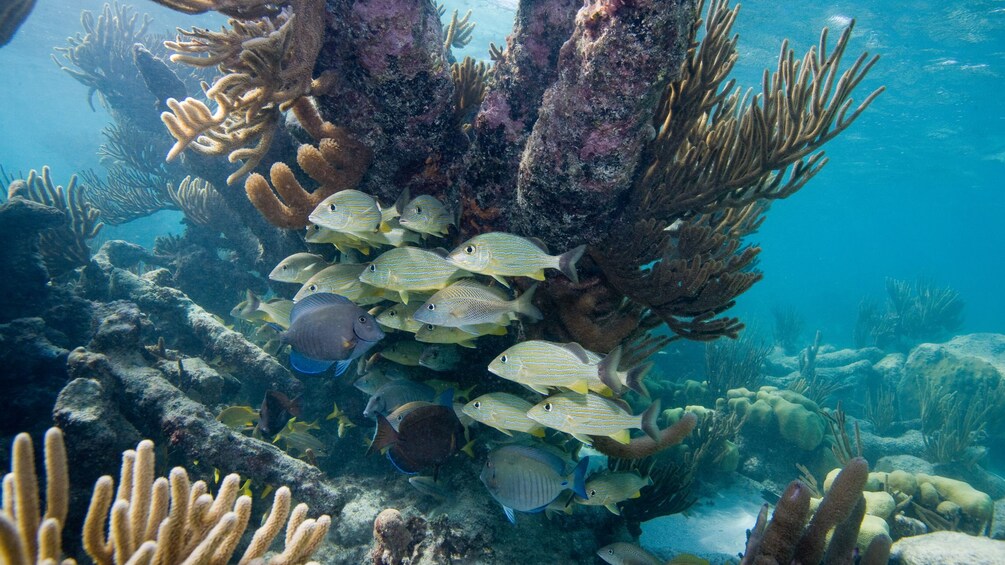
(965, 365)
(940, 548)
(786, 413)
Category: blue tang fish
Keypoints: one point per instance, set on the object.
(327, 329)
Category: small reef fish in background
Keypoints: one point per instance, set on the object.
(440, 357)
(527, 479)
(541, 365)
(298, 268)
(399, 317)
(429, 333)
(466, 304)
(583, 415)
(429, 487)
(341, 279)
(403, 352)
(411, 269)
(426, 215)
(275, 411)
(273, 311)
(395, 394)
(625, 553)
(348, 211)
(500, 254)
(238, 417)
(504, 412)
(374, 378)
(344, 423)
(609, 488)
(327, 329)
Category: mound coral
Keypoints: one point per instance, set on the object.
(795, 418)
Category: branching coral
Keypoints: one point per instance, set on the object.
(12, 15)
(199, 200)
(669, 493)
(64, 248)
(470, 80)
(122, 197)
(27, 536)
(337, 163)
(733, 364)
(457, 33)
(267, 65)
(232, 8)
(953, 425)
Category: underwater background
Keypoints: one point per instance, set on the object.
(912, 192)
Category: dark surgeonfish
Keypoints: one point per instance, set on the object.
(528, 479)
(426, 436)
(327, 329)
(276, 411)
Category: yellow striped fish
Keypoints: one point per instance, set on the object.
(348, 211)
(429, 333)
(341, 279)
(467, 303)
(426, 215)
(410, 269)
(274, 310)
(592, 415)
(404, 352)
(399, 317)
(500, 254)
(542, 364)
(297, 268)
(504, 412)
(342, 241)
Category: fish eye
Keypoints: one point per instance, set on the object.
(610, 552)
(593, 492)
(431, 306)
(286, 267)
(478, 405)
(548, 407)
(418, 209)
(392, 313)
(504, 359)
(430, 327)
(362, 319)
(313, 288)
(469, 249)
(332, 207)
(373, 268)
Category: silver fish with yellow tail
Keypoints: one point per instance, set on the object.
(410, 270)
(440, 357)
(399, 317)
(275, 310)
(344, 242)
(298, 268)
(429, 333)
(341, 279)
(609, 488)
(500, 254)
(625, 553)
(504, 412)
(583, 415)
(348, 211)
(541, 365)
(467, 303)
(426, 215)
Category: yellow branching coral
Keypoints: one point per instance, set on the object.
(457, 33)
(267, 65)
(470, 79)
(64, 248)
(337, 163)
(26, 536)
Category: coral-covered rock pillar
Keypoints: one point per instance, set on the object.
(595, 120)
(507, 114)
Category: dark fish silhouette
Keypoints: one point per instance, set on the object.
(327, 329)
(426, 436)
(276, 410)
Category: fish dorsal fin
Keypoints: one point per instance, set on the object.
(314, 301)
(445, 398)
(403, 199)
(578, 350)
(539, 244)
(621, 403)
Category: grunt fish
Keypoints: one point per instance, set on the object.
(238, 417)
(297, 268)
(500, 254)
(327, 329)
(403, 352)
(467, 303)
(429, 487)
(274, 311)
(399, 317)
(504, 412)
(528, 479)
(341, 279)
(411, 269)
(348, 211)
(440, 357)
(426, 215)
(609, 488)
(541, 365)
(625, 553)
(395, 394)
(342, 241)
(465, 338)
(592, 415)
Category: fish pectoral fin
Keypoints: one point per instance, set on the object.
(505, 431)
(583, 438)
(622, 437)
(404, 296)
(636, 494)
(538, 276)
(613, 508)
(541, 389)
(501, 280)
(469, 343)
(582, 387)
(537, 431)
(510, 515)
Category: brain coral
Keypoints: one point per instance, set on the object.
(796, 418)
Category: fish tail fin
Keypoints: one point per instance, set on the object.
(567, 262)
(649, 425)
(633, 379)
(579, 477)
(525, 304)
(383, 437)
(608, 370)
(251, 303)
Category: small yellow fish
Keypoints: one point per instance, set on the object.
(426, 215)
(504, 412)
(410, 269)
(297, 268)
(246, 488)
(500, 254)
(609, 488)
(399, 317)
(348, 211)
(266, 491)
(344, 423)
(465, 338)
(591, 415)
(238, 417)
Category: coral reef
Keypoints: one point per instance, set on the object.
(795, 418)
